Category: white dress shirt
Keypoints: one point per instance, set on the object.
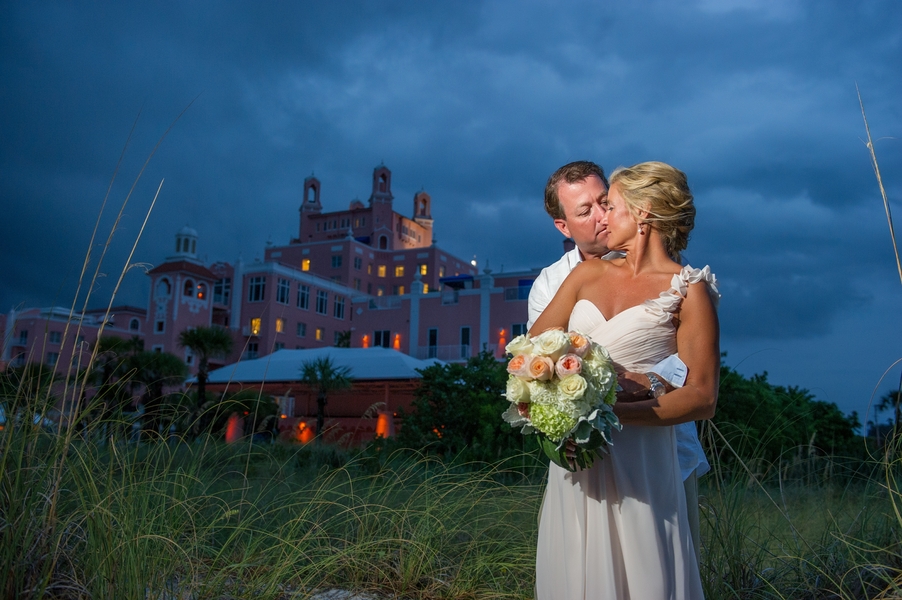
(689, 448)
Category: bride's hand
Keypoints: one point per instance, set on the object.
(570, 453)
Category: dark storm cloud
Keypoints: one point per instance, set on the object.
(477, 103)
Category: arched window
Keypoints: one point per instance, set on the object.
(134, 325)
(201, 291)
(164, 288)
(193, 246)
(189, 287)
(383, 242)
(383, 180)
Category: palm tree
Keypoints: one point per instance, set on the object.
(205, 343)
(324, 377)
(892, 400)
(156, 370)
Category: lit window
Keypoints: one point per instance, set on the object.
(380, 291)
(303, 297)
(425, 288)
(280, 325)
(369, 269)
(201, 291)
(398, 290)
(399, 271)
(338, 307)
(424, 269)
(322, 302)
(305, 264)
(256, 290)
(302, 330)
(320, 334)
(441, 271)
(381, 270)
(255, 326)
(283, 291)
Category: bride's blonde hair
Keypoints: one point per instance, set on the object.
(662, 191)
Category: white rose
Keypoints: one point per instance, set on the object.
(553, 344)
(517, 390)
(519, 345)
(572, 387)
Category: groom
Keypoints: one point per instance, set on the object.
(575, 197)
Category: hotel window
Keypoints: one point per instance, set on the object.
(253, 351)
(280, 325)
(255, 326)
(357, 283)
(380, 291)
(189, 288)
(159, 326)
(441, 270)
(256, 290)
(302, 330)
(222, 290)
(52, 358)
(369, 269)
(322, 302)
(338, 307)
(283, 291)
(425, 288)
(201, 291)
(303, 297)
(518, 329)
(424, 269)
(320, 334)
(23, 337)
(305, 264)
(399, 271)
(381, 271)
(338, 337)
(317, 227)
(134, 325)
(398, 290)
(278, 346)
(336, 261)
(464, 342)
(55, 337)
(382, 338)
(432, 345)
(163, 287)
(358, 262)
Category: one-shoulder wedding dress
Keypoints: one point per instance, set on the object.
(619, 530)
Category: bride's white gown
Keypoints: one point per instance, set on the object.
(619, 530)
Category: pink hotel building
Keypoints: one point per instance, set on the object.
(366, 274)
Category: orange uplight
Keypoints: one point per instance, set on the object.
(397, 343)
(502, 342)
(366, 341)
(383, 426)
(234, 429)
(304, 433)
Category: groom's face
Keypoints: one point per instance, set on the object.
(583, 203)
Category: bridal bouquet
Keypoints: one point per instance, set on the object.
(562, 387)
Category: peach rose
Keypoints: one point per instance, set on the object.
(568, 364)
(541, 368)
(579, 344)
(519, 365)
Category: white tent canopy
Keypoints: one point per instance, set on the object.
(285, 365)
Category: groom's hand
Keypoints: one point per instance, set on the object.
(635, 386)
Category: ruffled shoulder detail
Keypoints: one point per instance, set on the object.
(669, 301)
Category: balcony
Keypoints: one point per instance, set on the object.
(385, 302)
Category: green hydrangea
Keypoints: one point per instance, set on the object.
(551, 421)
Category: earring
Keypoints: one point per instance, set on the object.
(640, 230)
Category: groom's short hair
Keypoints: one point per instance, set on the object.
(569, 173)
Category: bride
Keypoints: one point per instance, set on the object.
(619, 530)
